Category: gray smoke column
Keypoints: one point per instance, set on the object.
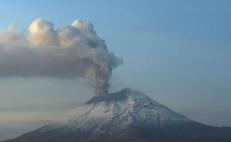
(69, 52)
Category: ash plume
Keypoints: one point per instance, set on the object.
(72, 51)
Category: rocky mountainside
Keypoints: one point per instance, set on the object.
(126, 116)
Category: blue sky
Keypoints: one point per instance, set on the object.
(178, 52)
(206, 20)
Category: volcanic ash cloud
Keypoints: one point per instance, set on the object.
(69, 52)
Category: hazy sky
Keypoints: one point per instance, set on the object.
(177, 52)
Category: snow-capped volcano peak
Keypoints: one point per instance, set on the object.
(123, 109)
(125, 116)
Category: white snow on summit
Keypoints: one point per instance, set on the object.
(114, 112)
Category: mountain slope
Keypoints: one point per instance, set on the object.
(122, 109)
(125, 116)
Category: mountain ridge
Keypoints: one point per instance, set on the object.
(124, 116)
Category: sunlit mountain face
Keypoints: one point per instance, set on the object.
(125, 116)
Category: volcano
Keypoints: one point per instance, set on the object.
(126, 116)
